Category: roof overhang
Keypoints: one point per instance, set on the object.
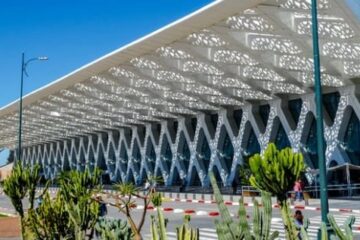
(225, 54)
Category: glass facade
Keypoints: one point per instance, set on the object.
(195, 180)
(226, 149)
(166, 154)
(93, 151)
(176, 178)
(252, 145)
(214, 119)
(331, 103)
(237, 117)
(217, 175)
(124, 158)
(295, 106)
(111, 163)
(281, 139)
(311, 146)
(203, 151)
(264, 111)
(136, 157)
(184, 152)
(352, 139)
(150, 156)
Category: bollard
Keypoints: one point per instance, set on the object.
(306, 197)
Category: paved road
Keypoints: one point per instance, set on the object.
(206, 222)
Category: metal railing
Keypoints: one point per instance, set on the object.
(335, 190)
(340, 190)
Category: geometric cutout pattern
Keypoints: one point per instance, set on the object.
(129, 160)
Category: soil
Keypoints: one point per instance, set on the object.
(9, 227)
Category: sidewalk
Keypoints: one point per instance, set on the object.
(335, 205)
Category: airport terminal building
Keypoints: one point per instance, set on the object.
(201, 94)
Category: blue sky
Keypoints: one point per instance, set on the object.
(72, 34)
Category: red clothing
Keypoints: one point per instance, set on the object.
(298, 187)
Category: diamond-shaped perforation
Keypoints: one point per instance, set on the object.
(249, 22)
(206, 38)
(352, 68)
(201, 68)
(233, 57)
(274, 43)
(261, 73)
(341, 50)
(144, 63)
(305, 4)
(297, 63)
(329, 26)
(307, 78)
(170, 52)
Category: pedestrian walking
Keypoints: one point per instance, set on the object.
(298, 189)
(299, 222)
(299, 219)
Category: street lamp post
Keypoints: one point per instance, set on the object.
(23, 71)
(319, 120)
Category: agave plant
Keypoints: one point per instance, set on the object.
(185, 232)
(113, 229)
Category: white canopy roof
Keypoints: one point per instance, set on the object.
(227, 53)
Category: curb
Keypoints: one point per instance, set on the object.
(5, 211)
(298, 207)
(184, 211)
(228, 203)
(8, 214)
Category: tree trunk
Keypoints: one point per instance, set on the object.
(22, 225)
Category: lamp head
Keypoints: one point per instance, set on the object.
(43, 58)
